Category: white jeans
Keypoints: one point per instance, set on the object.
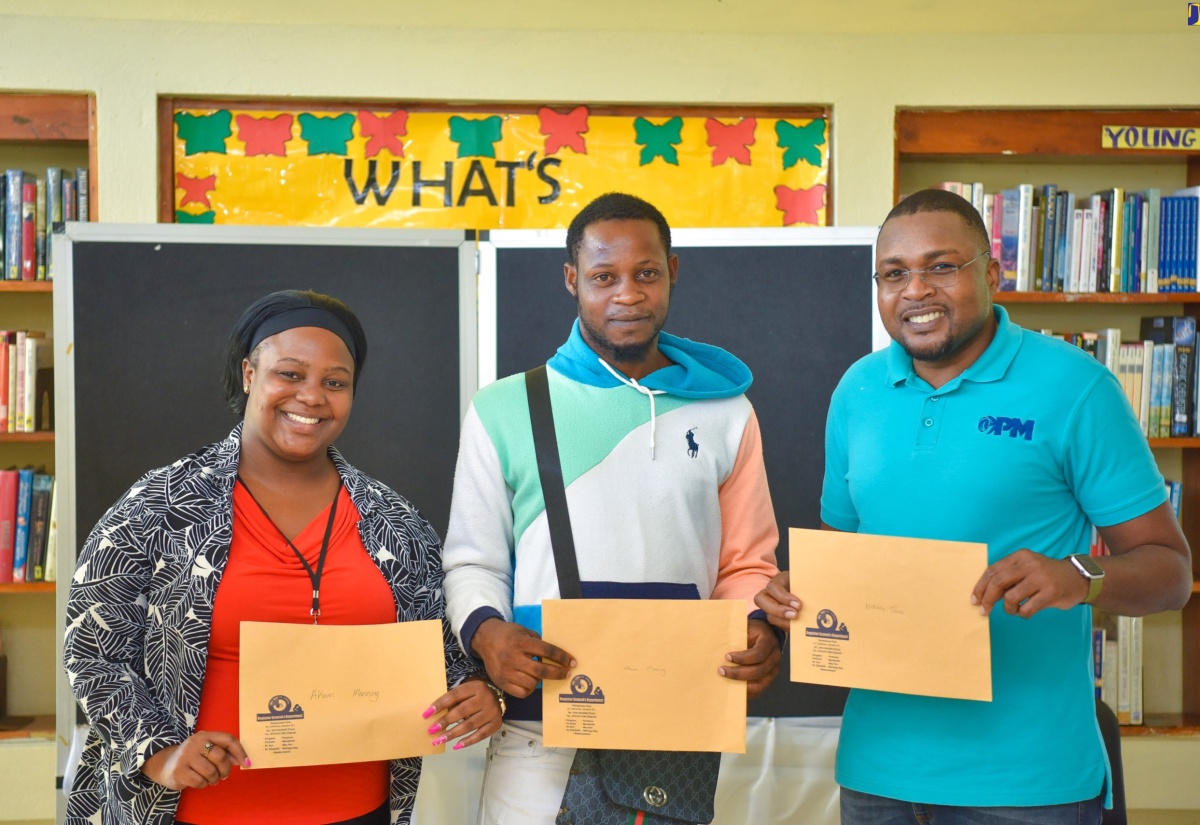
(523, 782)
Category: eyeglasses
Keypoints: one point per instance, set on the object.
(936, 276)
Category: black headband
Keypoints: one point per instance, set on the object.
(304, 317)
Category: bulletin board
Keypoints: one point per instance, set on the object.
(512, 167)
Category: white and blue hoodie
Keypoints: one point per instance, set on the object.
(665, 485)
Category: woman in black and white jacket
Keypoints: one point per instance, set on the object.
(240, 531)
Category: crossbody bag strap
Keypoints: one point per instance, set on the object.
(545, 445)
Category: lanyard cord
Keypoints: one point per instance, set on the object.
(314, 577)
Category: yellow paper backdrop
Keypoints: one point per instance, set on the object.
(484, 170)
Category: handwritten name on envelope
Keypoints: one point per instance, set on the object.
(647, 675)
(327, 694)
(889, 613)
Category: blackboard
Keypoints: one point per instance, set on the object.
(796, 310)
(151, 318)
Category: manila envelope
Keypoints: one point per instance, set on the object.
(325, 694)
(646, 675)
(888, 613)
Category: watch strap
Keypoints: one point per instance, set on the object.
(1095, 583)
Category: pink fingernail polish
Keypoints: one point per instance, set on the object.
(247, 761)
(457, 745)
(435, 728)
(430, 711)
(441, 740)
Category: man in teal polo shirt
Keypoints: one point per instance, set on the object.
(969, 428)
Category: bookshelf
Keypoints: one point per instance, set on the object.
(1005, 147)
(36, 131)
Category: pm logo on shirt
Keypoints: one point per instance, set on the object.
(1004, 425)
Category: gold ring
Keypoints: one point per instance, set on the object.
(208, 746)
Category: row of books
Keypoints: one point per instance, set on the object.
(30, 205)
(1158, 372)
(1051, 240)
(26, 381)
(1117, 643)
(1117, 667)
(28, 526)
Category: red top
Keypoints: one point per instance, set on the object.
(265, 582)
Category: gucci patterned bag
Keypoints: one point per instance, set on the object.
(642, 787)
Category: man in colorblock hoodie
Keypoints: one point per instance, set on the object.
(666, 488)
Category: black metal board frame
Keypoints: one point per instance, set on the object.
(141, 318)
(795, 304)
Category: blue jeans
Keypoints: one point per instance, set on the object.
(867, 809)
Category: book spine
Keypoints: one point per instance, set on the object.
(1074, 268)
(8, 522)
(70, 199)
(38, 520)
(40, 228)
(1155, 393)
(1183, 375)
(29, 403)
(1166, 389)
(52, 536)
(1153, 241)
(1062, 238)
(1024, 231)
(1166, 209)
(1116, 247)
(1049, 227)
(14, 179)
(82, 196)
(1109, 691)
(1009, 240)
(4, 400)
(54, 213)
(21, 537)
(1147, 392)
(1123, 650)
(17, 420)
(29, 231)
(1135, 670)
(997, 224)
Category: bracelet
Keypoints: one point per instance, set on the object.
(499, 695)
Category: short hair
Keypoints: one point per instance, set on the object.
(941, 200)
(237, 348)
(614, 206)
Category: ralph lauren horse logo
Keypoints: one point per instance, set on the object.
(693, 447)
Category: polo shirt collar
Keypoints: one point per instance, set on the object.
(990, 366)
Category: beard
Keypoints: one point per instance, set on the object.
(619, 353)
(954, 341)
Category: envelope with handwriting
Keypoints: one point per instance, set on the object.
(889, 613)
(646, 675)
(326, 694)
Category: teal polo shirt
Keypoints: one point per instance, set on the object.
(1032, 444)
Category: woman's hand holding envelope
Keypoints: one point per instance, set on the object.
(472, 711)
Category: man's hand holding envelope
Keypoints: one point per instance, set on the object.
(884, 613)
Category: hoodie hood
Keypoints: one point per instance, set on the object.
(699, 370)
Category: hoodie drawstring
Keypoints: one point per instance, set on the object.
(646, 391)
